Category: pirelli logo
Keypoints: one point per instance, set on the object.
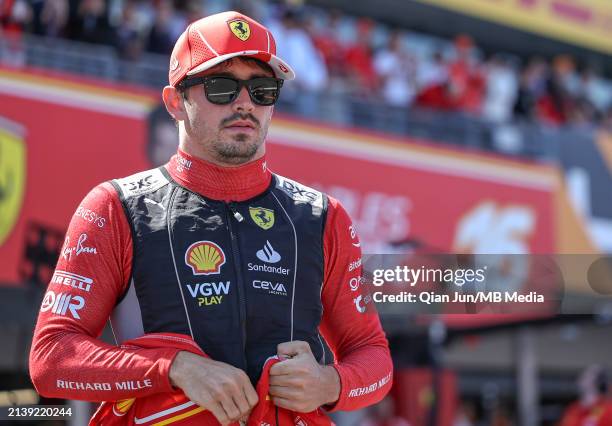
(72, 280)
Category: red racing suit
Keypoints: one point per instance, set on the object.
(67, 360)
(168, 408)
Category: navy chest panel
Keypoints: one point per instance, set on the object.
(240, 278)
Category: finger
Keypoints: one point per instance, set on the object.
(282, 392)
(283, 367)
(251, 395)
(242, 404)
(231, 409)
(218, 412)
(282, 380)
(291, 349)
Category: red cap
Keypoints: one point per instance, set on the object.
(216, 38)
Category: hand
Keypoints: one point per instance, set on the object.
(299, 383)
(221, 388)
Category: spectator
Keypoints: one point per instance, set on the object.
(594, 90)
(144, 15)
(128, 36)
(501, 90)
(324, 33)
(532, 86)
(564, 66)
(294, 44)
(193, 11)
(325, 39)
(583, 113)
(433, 83)
(15, 16)
(555, 107)
(258, 9)
(91, 23)
(396, 70)
(161, 38)
(466, 83)
(49, 17)
(359, 67)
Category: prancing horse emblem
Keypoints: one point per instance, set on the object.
(240, 28)
(264, 218)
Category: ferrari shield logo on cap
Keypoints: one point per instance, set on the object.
(264, 218)
(240, 28)
(12, 175)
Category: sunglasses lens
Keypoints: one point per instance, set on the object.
(265, 90)
(224, 90)
(221, 90)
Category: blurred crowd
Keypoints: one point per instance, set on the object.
(340, 54)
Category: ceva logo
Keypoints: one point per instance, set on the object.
(205, 258)
(270, 287)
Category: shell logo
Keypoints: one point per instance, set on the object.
(205, 258)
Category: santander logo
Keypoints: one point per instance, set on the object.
(268, 254)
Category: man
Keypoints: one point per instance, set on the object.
(594, 407)
(214, 246)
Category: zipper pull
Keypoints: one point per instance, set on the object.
(235, 212)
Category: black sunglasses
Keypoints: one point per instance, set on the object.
(223, 90)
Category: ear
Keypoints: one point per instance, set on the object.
(174, 103)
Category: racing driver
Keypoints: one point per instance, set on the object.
(216, 247)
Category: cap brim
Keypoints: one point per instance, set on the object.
(280, 67)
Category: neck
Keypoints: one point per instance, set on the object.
(220, 182)
(205, 156)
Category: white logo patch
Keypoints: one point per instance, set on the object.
(61, 303)
(268, 254)
(142, 183)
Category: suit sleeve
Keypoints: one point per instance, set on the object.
(351, 329)
(66, 358)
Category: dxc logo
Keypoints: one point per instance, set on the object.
(143, 183)
(299, 191)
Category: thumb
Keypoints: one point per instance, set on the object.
(292, 349)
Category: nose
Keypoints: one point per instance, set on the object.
(243, 102)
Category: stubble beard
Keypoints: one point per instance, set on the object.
(235, 149)
(239, 149)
